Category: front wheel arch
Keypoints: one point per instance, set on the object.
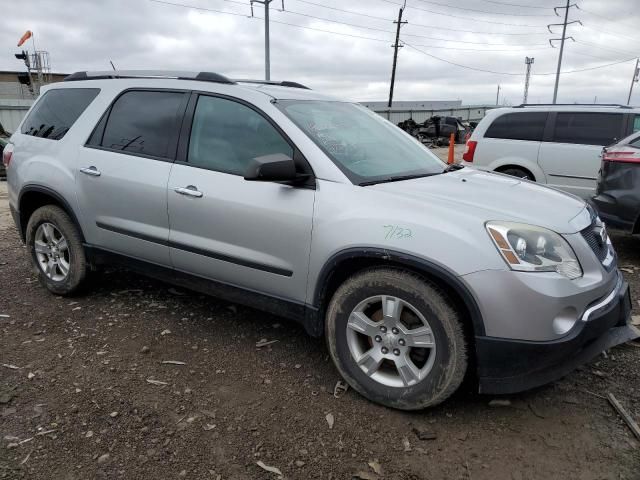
(348, 262)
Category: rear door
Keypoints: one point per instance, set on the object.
(512, 139)
(256, 235)
(123, 173)
(570, 155)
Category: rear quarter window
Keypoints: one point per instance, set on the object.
(518, 126)
(587, 128)
(56, 111)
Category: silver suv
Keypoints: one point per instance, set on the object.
(318, 210)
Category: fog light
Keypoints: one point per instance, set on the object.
(565, 321)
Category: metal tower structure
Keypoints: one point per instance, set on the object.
(528, 62)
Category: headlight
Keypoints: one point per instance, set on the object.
(527, 248)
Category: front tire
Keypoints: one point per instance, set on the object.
(56, 251)
(396, 339)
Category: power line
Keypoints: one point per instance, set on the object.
(626, 52)
(482, 11)
(513, 73)
(412, 24)
(365, 27)
(193, 7)
(475, 20)
(606, 32)
(519, 5)
(349, 35)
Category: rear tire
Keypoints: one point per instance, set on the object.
(396, 339)
(56, 251)
(519, 173)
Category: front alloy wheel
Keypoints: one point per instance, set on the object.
(396, 338)
(391, 341)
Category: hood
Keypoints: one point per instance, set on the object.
(496, 197)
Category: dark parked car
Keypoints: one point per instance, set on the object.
(3, 142)
(618, 191)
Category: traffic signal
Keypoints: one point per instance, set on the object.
(24, 78)
(23, 56)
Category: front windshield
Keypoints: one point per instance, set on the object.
(362, 144)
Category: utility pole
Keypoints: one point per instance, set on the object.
(395, 46)
(528, 62)
(562, 39)
(498, 94)
(267, 54)
(636, 72)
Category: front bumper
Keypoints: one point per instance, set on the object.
(509, 366)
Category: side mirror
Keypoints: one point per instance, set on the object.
(277, 167)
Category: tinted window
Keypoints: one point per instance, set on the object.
(587, 128)
(518, 126)
(227, 135)
(57, 110)
(143, 123)
(636, 123)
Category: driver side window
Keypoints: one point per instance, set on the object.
(227, 135)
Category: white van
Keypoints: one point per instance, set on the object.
(559, 145)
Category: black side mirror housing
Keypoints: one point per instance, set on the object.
(277, 167)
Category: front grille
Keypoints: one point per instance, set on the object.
(595, 242)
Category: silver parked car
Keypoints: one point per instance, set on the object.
(318, 210)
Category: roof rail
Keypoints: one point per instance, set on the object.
(524, 105)
(200, 76)
(284, 83)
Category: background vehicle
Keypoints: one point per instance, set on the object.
(557, 145)
(436, 130)
(618, 192)
(415, 270)
(4, 139)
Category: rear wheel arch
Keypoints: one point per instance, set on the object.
(347, 263)
(33, 197)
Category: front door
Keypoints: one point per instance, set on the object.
(571, 159)
(255, 235)
(122, 175)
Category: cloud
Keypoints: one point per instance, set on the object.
(142, 34)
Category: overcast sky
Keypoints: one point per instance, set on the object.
(144, 34)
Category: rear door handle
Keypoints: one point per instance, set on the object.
(191, 191)
(93, 171)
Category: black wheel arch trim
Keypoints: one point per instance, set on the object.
(415, 263)
(32, 187)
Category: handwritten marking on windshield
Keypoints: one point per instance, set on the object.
(396, 232)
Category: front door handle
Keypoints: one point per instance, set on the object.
(93, 171)
(191, 191)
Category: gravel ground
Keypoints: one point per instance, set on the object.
(84, 393)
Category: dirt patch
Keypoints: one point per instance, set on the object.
(84, 393)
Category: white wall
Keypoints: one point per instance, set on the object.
(12, 112)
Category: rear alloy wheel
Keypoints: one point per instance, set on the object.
(519, 173)
(396, 339)
(56, 250)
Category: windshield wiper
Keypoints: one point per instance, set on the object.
(397, 178)
(453, 167)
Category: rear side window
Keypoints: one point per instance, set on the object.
(587, 128)
(227, 135)
(142, 122)
(518, 126)
(56, 112)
